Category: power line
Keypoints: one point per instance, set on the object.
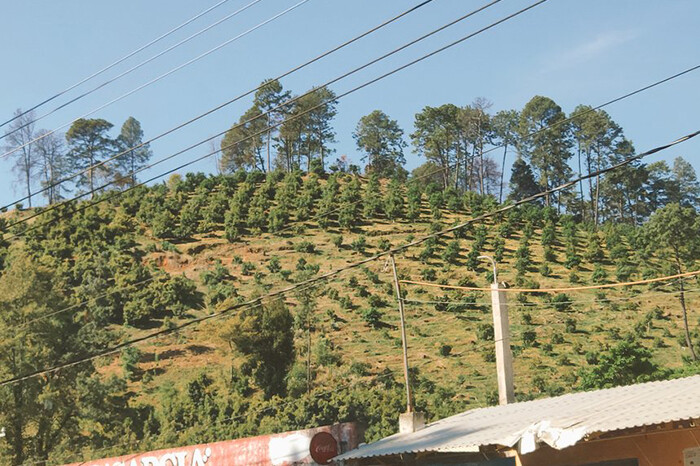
(112, 65)
(156, 277)
(286, 103)
(262, 409)
(133, 68)
(556, 290)
(605, 104)
(640, 296)
(333, 273)
(229, 102)
(168, 73)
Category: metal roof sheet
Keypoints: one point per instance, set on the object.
(560, 422)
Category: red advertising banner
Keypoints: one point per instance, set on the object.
(307, 447)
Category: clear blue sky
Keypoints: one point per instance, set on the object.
(572, 51)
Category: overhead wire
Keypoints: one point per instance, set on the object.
(556, 290)
(230, 101)
(115, 63)
(155, 277)
(604, 104)
(354, 265)
(288, 289)
(132, 69)
(162, 76)
(638, 297)
(285, 104)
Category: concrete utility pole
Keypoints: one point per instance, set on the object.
(410, 421)
(501, 336)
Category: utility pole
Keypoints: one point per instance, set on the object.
(501, 336)
(410, 421)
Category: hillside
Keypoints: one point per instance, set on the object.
(236, 237)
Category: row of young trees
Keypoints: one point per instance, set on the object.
(461, 145)
(42, 158)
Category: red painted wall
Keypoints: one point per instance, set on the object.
(286, 449)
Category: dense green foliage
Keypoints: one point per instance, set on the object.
(88, 277)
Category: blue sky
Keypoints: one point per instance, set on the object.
(572, 51)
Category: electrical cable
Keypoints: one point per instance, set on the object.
(605, 104)
(333, 273)
(112, 65)
(640, 296)
(556, 290)
(286, 103)
(155, 277)
(133, 68)
(229, 102)
(158, 78)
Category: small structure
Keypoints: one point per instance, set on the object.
(649, 424)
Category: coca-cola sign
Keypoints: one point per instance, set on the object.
(323, 447)
(317, 445)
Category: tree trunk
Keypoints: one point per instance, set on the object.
(681, 298)
(597, 193)
(503, 169)
(16, 436)
(28, 177)
(580, 183)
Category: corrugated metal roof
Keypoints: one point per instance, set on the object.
(560, 421)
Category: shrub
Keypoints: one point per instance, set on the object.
(484, 332)
(305, 247)
(247, 268)
(529, 338)
(557, 338)
(376, 301)
(599, 274)
(561, 302)
(545, 270)
(445, 350)
(130, 356)
(570, 325)
(428, 274)
(274, 264)
(359, 244)
(384, 244)
(451, 252)
(372, 317)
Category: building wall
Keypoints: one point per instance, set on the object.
(654, 449)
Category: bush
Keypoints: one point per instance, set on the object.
(599, 274)
(359, 244)
(428, 274)
(445, 350)
(484, 332)
(529, 338)
(372, 317)
(557, 338)
(274, 264)
(561, 302)
(570, 325)
(130, 356)
(305, 247)
(451, 252)
(545, 270)
(247, 268)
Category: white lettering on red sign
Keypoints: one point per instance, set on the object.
(175, 458)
